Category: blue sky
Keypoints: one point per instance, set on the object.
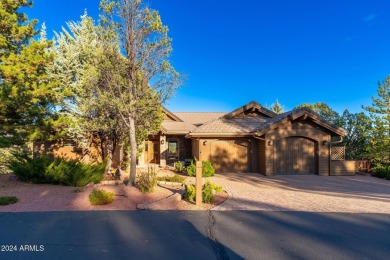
(233, 52)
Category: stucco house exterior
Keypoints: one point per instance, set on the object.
(249, 139)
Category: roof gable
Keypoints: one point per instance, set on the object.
(297, 114)
(188, 121)
(169, 116)
(252, 109)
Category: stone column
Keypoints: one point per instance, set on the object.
(163, 150)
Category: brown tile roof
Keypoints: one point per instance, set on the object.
(191, 120)
(262, 124)
(217, 122)
(232, 125)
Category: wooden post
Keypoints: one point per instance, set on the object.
(198, 183)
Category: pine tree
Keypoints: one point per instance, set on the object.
(357, 127)
(277, 108)
(26, 96)
(379, 146)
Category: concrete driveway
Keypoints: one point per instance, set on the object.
(310, 193)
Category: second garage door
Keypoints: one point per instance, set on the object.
(295, 155)
(229, 155)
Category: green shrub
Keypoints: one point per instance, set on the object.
(178, 166)
(191, 169)
(189, 192)
(146, 181)
(74, 172)
(44, 169)
(5, 157)
(8, 200)
(207, 192)
(7, 154)
(207, 169)
(175, 178)
(30, 170)
(382, 172)
(101, 197)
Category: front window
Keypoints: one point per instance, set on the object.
(172, 147)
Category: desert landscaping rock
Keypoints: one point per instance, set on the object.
(168, 203)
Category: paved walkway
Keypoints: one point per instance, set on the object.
(311, 193)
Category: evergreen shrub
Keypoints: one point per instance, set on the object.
(101, 197)
(208, 191)
(382, 172)
(44, 169)
(178, 166)
(6, 200)
(207, 168)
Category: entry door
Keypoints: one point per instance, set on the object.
(152, 151)
(295, 155)
(173, 150)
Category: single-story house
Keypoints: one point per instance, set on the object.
(250, 138)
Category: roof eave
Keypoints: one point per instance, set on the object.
(192, 135)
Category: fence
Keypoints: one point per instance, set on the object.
(363, 166)
(338, 165)
(337, 153)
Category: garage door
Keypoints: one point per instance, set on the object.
(229, 155)
(295, 155)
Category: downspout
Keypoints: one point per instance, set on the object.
(256, 136)
(330, 150)
(339, 141)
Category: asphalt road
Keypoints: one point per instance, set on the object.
(186, 235)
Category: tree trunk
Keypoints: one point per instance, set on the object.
(133, 151)
(108, 157)
(103, 155)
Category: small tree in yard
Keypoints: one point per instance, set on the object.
(136, 69)
(379, 137)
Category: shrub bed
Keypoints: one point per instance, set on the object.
(207, 169)
(44, 169)
(101, 197)
(178, 166)
(175, 178)
(146, 181)
(382, 172)
(208, 192)
(6, 200)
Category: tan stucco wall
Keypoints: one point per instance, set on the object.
(92, 154)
